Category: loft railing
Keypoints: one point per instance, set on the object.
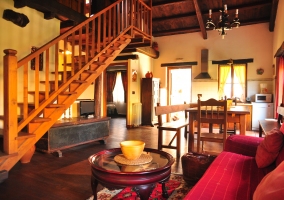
(23, 86)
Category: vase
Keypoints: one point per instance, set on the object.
(28, 155)
(149, 75)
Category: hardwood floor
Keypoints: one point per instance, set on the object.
(48, 177)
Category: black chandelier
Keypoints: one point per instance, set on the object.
(223, 25)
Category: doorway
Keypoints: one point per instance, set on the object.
(179, 85)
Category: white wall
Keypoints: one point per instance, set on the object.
(253, 41)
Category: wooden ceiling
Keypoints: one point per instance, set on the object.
(171, 17)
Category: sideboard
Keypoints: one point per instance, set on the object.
(70, 132)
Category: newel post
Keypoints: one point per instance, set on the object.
(10, 101)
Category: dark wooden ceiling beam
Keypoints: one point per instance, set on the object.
(51, 6)
(197, 29)
(176, 31)
(168, 2)
(257, 5)
(273, 15)
(190, 14)
(200, 19)
(235, 61)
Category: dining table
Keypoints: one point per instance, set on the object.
(236, 114)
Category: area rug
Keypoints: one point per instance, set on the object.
(177, 189)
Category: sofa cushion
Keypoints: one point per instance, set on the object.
(271, 186)
(230, 176)
(269, 148)
(280, 157)
(242, 144)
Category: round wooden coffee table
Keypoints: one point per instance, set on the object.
(142, 178)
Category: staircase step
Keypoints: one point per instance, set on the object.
(24, 135)
(114, 48)
(90, 72)
(79, 81)
(4, 155)
(121, 42)
(68, 93)
(98, 63)
(107, 55)
(40, 119)
(55, 105)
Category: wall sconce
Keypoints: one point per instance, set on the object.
(67, 52)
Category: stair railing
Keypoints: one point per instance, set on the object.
(23, 86)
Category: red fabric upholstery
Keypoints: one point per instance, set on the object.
(271, 186)
(269, 148)
(230, 176)
(234, 174)
(241, 144)
(280, 157)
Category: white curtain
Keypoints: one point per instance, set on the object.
(223, 75)
(118, 91)
(240, 72)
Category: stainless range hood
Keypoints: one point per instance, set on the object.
(204, 66)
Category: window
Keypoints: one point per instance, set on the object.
(118, 91)
(232, 81)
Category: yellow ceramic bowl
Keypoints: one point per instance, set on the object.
(132, 149)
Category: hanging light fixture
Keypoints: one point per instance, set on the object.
(223, 25)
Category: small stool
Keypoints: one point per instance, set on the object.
(194, 166)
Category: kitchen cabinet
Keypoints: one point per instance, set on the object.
(149, 99)
(248, 118)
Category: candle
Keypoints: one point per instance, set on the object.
(225, 7)
(237, 11)
(210, 12)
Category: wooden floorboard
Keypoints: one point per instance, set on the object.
(48, 177)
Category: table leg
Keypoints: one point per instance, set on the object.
(164, 190)
(94, 185)
(144, 191)
(190, 138)
(242, 124)
(259, 130)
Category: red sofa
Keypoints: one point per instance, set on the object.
(234, 174)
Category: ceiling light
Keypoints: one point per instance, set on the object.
(223, 25)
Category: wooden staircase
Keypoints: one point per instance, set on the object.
(36, 99)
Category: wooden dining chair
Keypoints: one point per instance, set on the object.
(211, 112)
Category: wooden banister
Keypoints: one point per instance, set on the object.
(10, 102)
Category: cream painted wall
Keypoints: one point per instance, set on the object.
(141, 65)
(36, 33)
(253, 41)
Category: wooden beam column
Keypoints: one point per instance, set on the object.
(10, 102)
(97, 96)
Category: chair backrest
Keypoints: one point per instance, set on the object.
(212, 111)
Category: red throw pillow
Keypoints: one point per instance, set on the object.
(269, 148)
(271, 186)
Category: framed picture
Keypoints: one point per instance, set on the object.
(33, 49)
